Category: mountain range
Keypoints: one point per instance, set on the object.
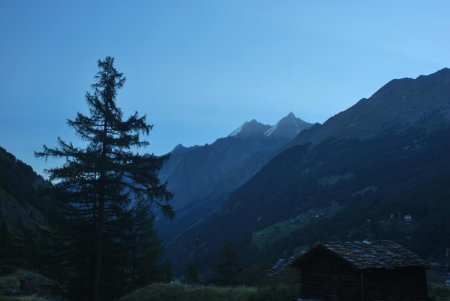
(201, 177)
(354, 177)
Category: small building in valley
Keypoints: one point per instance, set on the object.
(362, 271)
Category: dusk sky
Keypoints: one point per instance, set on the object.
(199, 69)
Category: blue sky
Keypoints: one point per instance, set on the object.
(199, 69)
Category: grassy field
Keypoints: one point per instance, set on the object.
(39, 288)
(177, 291)
(26, 298)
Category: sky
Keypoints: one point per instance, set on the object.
(199, 69)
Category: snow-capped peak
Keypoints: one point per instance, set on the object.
(288, 127)
(251, 128)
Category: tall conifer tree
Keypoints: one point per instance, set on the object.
(100, 183)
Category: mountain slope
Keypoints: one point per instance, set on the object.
(20, 203)
(397, 105)
(354, 177)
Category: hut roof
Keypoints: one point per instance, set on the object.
(381, 254)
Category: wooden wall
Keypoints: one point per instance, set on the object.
(327, 277)
(406, 284)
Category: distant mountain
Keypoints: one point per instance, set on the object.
(202, 176)
(354, 177)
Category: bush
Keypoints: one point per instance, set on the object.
(25, 285)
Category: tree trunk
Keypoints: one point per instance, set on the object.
(98, 250)
(101, 218)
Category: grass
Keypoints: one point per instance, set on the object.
(26, 298)
(276, 293)
(177, 291)
(439, 292)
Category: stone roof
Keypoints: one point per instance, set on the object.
(382, 254)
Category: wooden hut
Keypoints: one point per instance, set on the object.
(362, 271)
